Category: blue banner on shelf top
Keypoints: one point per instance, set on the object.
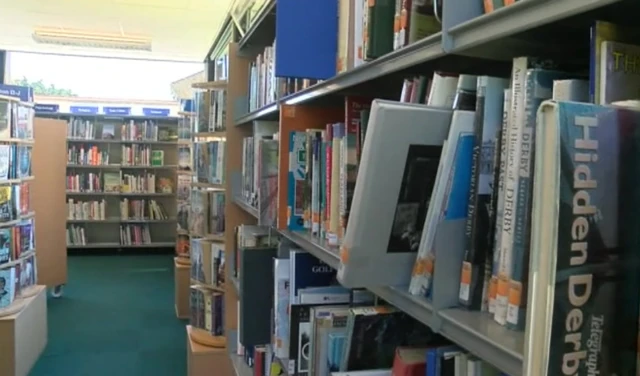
(83, 110)
(116, 110)
(50, 108)
(24, 93)
(147, 111)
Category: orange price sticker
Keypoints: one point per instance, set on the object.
(418, 267)
(344, 254)
(429, 265)
(503, 286)
(403, 19)
(515, 293)
(493, 287)
(465, 275)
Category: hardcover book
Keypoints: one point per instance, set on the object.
(379, 250)
(584, 293)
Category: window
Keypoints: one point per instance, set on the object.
(98, 77)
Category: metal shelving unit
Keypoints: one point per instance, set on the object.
(470, 42)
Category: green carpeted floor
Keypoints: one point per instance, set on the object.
(116, 318)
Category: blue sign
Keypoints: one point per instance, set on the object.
(49, 108)
(155, 111)
(88, 110)
(24, 93)
(116, 110)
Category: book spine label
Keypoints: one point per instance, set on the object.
(516, 120)
(499, 204)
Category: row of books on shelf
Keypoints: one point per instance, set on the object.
(206, 309)
(203, 213)
(207, 263)
(210, 111)
(147, 130)
(463, 166)
(130, 235)
(96, 210)
(313, 326)
(133, 155)
(15, 161)
(264, 87)
(114, 182)
(17, 240)
(15, 202)
(16, 119)
(141, 155)
(148, 209)
(365, 30)
(135, 234)
(209, 160)
(16, 278)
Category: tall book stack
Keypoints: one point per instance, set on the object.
(18, 269)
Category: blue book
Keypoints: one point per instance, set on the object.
(296, 180)
(307, 271)
(440, 360)
(336, 350)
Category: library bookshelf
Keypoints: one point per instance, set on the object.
(121, 180)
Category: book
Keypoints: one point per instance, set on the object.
(486, 125)
(586, 165)
(619, 75)
(380, 250)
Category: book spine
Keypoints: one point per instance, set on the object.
(490, 106)
(315, 188)
(516, 119)
(338, 133)
(499, 202)
(297, 170)
(329, 166)
(538, 87)
(467, 295)
(307, 200)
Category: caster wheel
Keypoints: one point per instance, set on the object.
(57, 291)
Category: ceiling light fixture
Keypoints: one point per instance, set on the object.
(81, 38)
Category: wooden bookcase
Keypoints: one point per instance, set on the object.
(49, 164)
(234, 215)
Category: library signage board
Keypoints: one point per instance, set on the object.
(148, 111)
(88, 110)
(23, 93)
(47, 108)
(116, 110)
(101, 110)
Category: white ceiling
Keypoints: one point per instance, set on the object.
(181, 30)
